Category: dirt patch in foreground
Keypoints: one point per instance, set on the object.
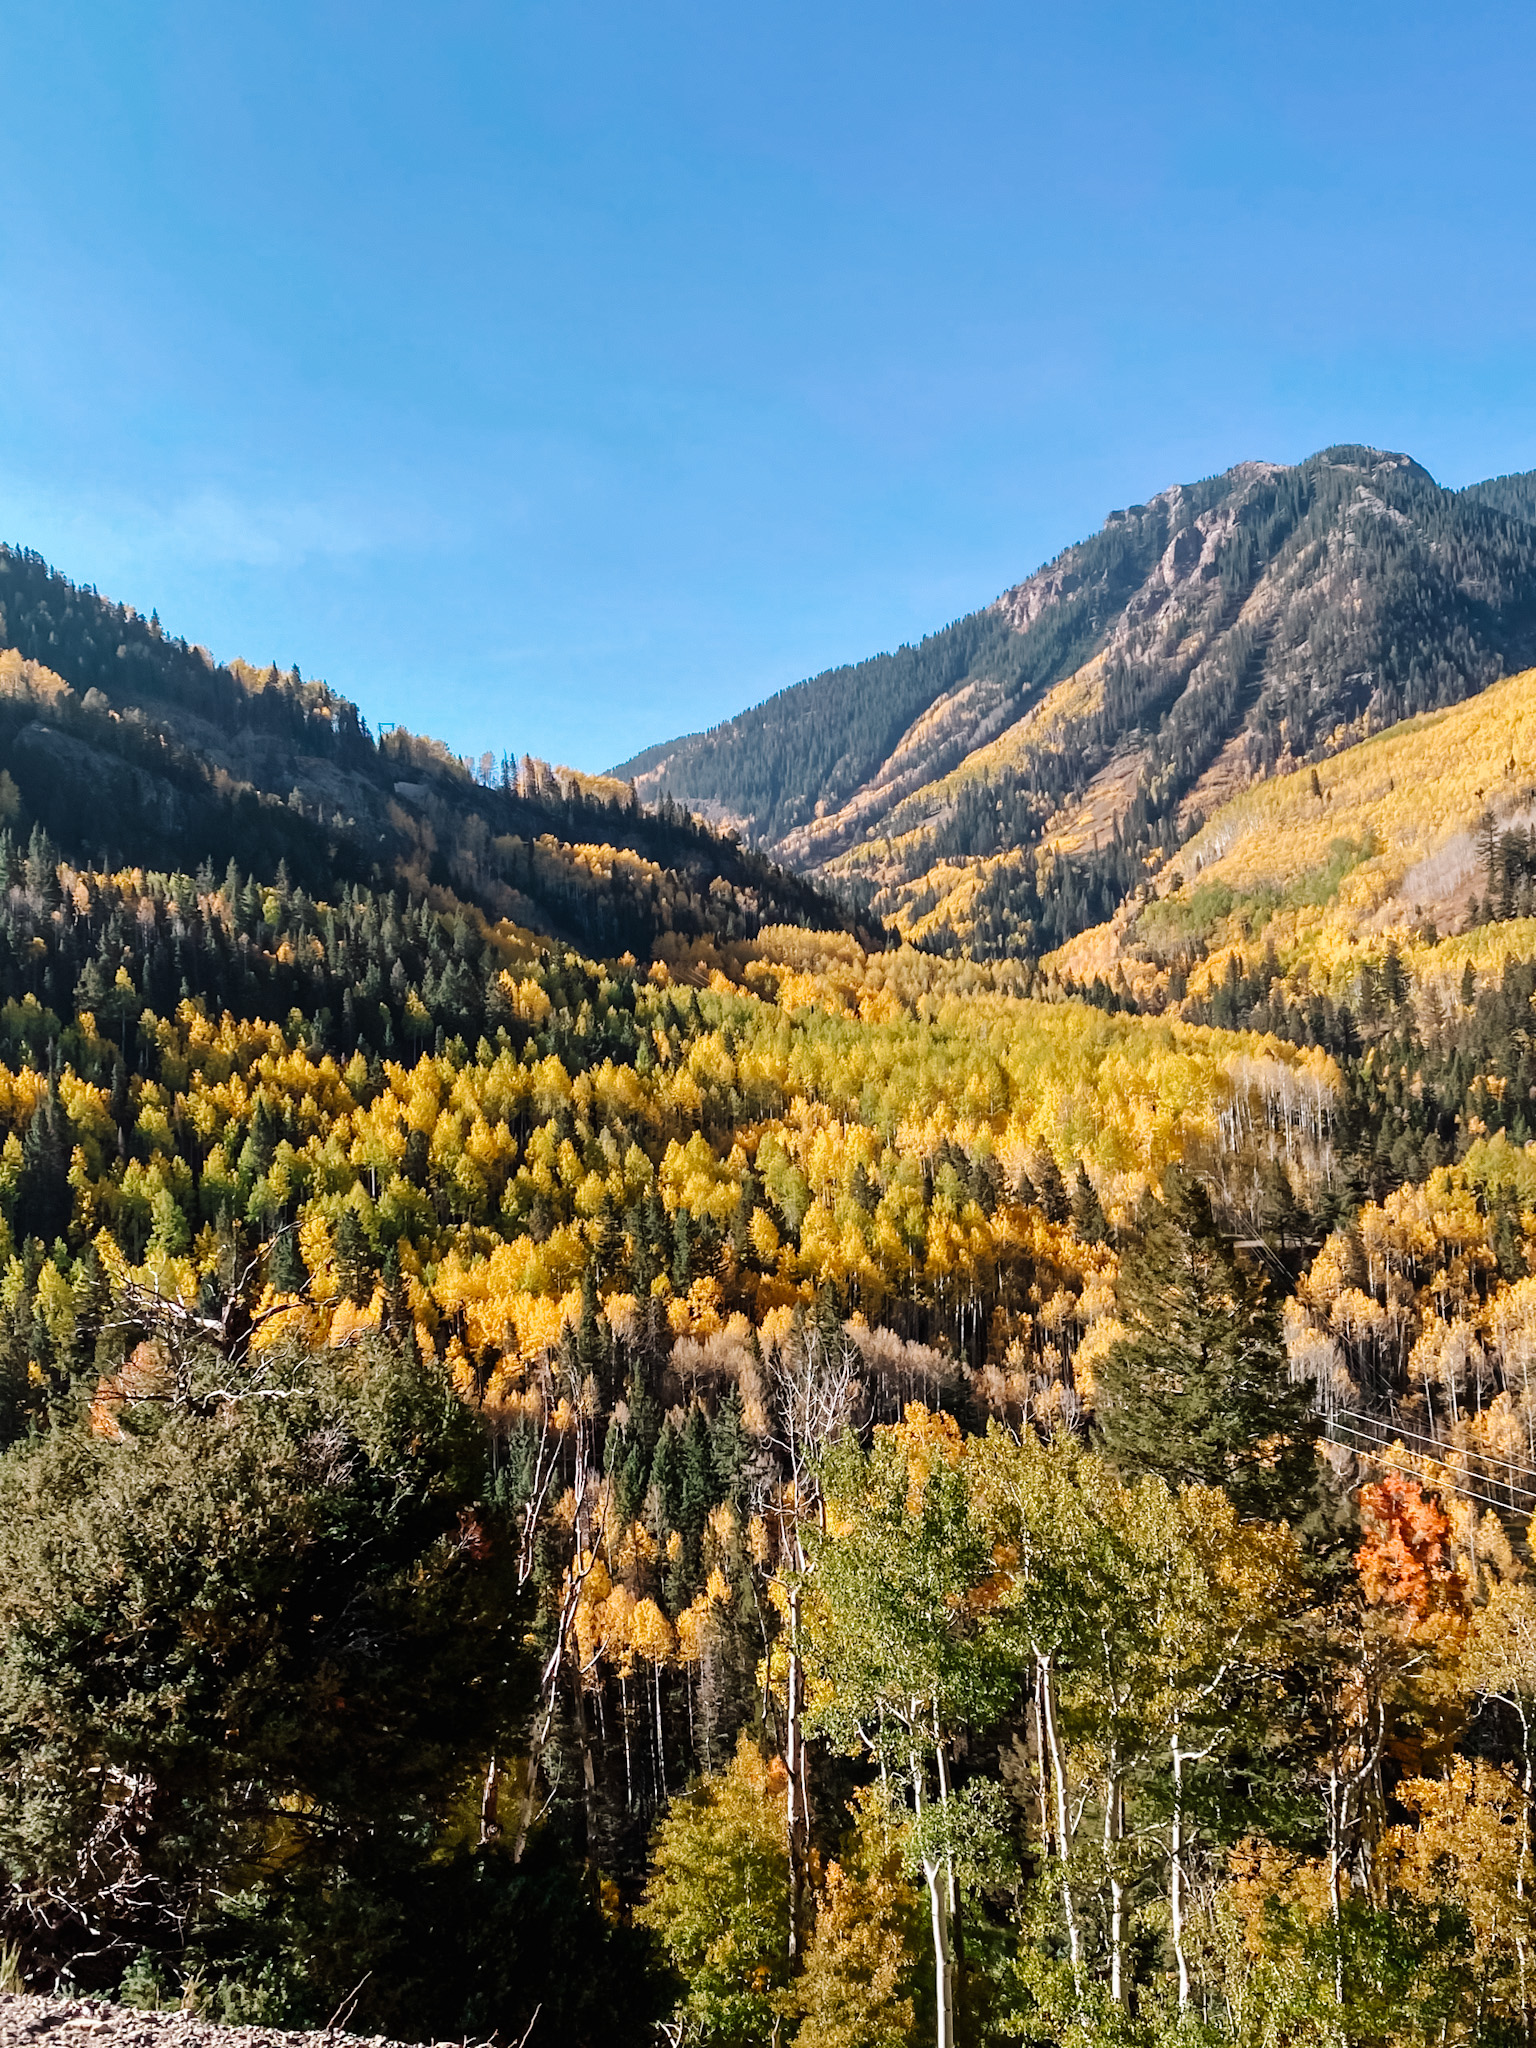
(27, 2022)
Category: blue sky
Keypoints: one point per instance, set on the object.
(559, 378)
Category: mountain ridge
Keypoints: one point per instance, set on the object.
(130, 747)
(1051, 744)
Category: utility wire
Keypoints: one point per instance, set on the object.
(1387, 1436)
(1378, 1450)
(1358, 1416)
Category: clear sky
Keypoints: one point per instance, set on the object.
(561, 377)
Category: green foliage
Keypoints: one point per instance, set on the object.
(1183, 916)
(718, 1900)
(1198, 1388)
(245, 1640)
(892, 1632)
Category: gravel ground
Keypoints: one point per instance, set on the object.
(27, 2022)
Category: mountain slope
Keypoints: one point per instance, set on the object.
(1513, 494)
(1048, 746)
(133, 749)
(1418, 840)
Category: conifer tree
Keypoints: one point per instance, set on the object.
(353, 1266)
(1050, 1188)
(44, 1204)
(285, 1264)
(1088, 1218)
(1197, 1389)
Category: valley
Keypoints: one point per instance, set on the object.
(905, 1415)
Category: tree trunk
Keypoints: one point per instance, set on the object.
(629, 1771)
(531, 1789)
(1063, 1825)
(1335, 1873)
(490, 1794)
(661, 1751)
(797, 1803)
(1041, 1765)
(1176, 1871)
(1113, 1818)
(938, 1908)
(1526, 2014)
(584, 1744)
(943, 1962)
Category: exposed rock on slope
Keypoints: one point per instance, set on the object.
(1390, 842)
(27, 2022)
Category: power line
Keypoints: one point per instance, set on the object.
(1357, 1416)
(1381, 1454)
(1387, 1438)
(1450, 1483)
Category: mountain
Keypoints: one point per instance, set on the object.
(426, 1353)
(1003, 784)
(133, 749)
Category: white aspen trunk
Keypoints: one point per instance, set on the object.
(1116, 1890)
(1176, 1871)
(943, 1963)
(1042, 1766)
(490, 1825)
(797, 1807)
(1063, 1829)
(949, 1859)
(584, 1744)
(1525, 1852)
(531, 1789)
(661, 1753)
(1335, 1905)
(629, 1774)
(938, 1910)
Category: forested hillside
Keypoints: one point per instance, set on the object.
(727, 1484)
(1000, 787)
(131, 747)
(1513, 494)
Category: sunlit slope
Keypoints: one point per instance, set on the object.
(1385, 843)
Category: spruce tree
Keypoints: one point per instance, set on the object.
(1050, 1188)
(1197, 1389)
(285, 1265)
(1088, 1218)
(354, 1265)
(44, 1201)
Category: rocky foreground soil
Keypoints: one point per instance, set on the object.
(27, 2022)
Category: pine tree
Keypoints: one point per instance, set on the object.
(285, 1265)
(1050, 1188)
(667, 1476)
(1088, 1218)
(1197, 1389)
(682, 1251)
(44, 1203)
(353, 1258)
